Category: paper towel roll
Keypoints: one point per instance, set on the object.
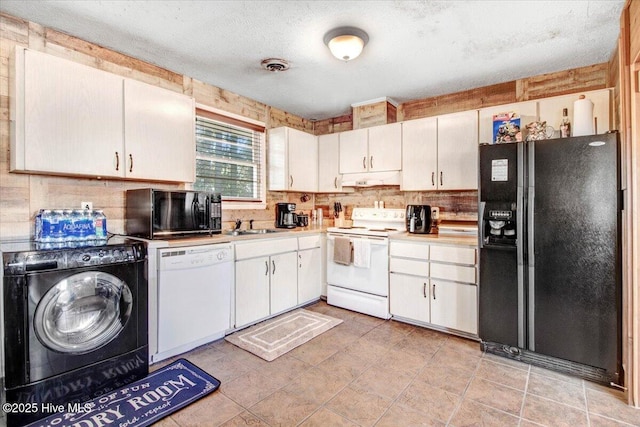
(583, 117)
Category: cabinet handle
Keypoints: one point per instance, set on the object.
(364, 162)
(290, 180)
(433, 179)
(335, 182)
(266, 268)
(273, 263)
(371, 162)
(117, 161)
(434, 291)
(130, 163)
(441, 178)
(424, 289)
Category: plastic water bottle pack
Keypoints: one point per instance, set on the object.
(71, 227)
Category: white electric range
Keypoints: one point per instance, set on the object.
(362, 285)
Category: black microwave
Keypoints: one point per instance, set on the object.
(165, 214)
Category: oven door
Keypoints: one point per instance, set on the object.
(373, 280)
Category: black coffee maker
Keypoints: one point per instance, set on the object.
(286, 216)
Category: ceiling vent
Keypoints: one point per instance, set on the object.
(275, 65)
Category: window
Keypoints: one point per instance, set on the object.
(230, 158)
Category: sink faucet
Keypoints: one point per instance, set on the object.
(238, 224)
(250, 224)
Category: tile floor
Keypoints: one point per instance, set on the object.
(370, 372)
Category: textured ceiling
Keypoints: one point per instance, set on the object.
(416, 49)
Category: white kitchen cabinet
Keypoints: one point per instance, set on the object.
(409, 297)
(440, 153)
(458, 151)
(266, 278)
(284, 282)
(329, 176)
(434, 285)
(419, 154)
(374, 149)
(159, 133)
(309, 268)
(252, 290)
(293, 160)
(354, 151)
(72, 119)
(454, 305)
(66, 117)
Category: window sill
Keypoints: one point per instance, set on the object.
(233, 205)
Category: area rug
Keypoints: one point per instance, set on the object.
(275, 337)
(140, 403)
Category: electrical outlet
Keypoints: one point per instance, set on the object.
(86, 205)
(435, 213)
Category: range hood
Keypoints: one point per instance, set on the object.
(371, 179)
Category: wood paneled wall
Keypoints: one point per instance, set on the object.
(22, 195)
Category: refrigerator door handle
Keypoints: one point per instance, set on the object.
(481, 224)
(520, 249)
(531, 284)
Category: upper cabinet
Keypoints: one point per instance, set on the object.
(329, 176)
(160, 122)
(374, 149)
(419, 154)
(458, 151)
(71, 119)
(440, 153)
(293, 160)
(66, 118)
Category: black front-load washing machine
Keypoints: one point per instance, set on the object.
(75, 323)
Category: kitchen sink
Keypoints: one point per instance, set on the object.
(252, 231)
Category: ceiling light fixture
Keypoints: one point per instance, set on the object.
(346, 43)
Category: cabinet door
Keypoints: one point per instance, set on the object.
(458, 151)
(309, 275)
(385, 147)
(420, 154)
(329, 179)
(252, 290)
(72, 122)
(354, 151)
(409, 297)
(159, 128)
(284, 281)
(303, 161)
(454, 305)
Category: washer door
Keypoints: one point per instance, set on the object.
(83, 312)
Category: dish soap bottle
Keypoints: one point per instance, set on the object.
(565, 124)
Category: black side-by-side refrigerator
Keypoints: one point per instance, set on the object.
(550, 254)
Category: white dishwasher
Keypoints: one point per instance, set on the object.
(194, 297)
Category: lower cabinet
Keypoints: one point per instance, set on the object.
(434, 284)
(409, 297)
(454, 305)
(266, 279)
(309, 268)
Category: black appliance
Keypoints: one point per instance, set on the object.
(419, 219)
(550, 254)
(75, 323)
(286, 216)
(162, 214)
